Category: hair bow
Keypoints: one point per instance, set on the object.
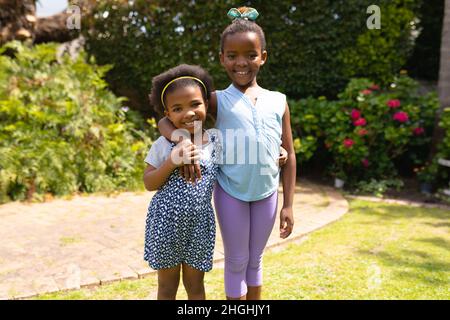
(248, 14)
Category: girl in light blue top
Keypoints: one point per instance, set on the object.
(253, 123)
(251, 133)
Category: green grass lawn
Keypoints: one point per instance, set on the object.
(376, 251)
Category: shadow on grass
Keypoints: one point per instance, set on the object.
(429, 270)
(392, 212)
(419, 264)
(440, 242)
(439, 224)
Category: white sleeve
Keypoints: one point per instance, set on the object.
(159, 152)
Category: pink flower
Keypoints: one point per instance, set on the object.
(374, 87)
(401, 116)
(418, 131)
(362, 132)
(393, 103)
(356, 114)
(365, 162)
(348, 143)
(360, 122)
(366, 92)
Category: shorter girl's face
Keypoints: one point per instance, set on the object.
(242, 57)
(184, 106)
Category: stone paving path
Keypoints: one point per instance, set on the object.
(93, 240)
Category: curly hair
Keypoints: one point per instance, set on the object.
(243, 25)
(161, 80)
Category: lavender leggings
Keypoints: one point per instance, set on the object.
(245, 228)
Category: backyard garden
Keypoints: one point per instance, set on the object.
(370, 116)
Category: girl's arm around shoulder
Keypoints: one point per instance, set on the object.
(288, 176)
(212, 107)
(166, 128)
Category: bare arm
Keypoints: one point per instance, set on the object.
(156, 177)
(288, 176)
(166, 128)
(212, 106)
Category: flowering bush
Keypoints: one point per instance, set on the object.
(368, 131)
(370, 128)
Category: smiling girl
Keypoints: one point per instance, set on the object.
(180, 226)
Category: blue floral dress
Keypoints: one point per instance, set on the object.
(180, 225)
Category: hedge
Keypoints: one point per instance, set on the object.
(314, 47)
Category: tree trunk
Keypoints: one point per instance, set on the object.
(444, 79)
(54, 28)
(444, 70)
(18, 21)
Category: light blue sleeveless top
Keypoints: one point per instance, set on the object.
(251, 140)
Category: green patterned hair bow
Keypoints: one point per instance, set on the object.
(248, 14)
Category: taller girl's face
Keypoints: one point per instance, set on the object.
(242, 57)
(184, 106)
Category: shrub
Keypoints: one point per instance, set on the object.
(434, 173)
(61, 130)
(306, 122)
(379, 54)
(367, 129)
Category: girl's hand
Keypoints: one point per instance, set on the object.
(283, 157)
(188, 170)
(184, 152)
(191, 172)
(286, 222)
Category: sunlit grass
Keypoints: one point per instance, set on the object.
(376, 251)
